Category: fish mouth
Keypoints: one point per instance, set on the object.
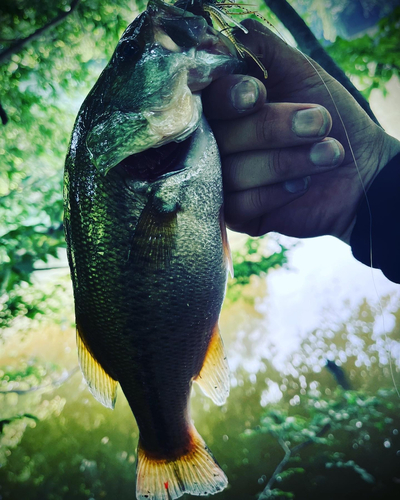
(155, 163)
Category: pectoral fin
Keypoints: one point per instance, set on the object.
(155, 235)
(101, 385)
(213, 378)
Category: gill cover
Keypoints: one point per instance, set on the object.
(148, 95)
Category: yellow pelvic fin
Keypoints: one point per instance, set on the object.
(196, 472)
(101, 385)
(225, 242)
(155, 235)
(213, 378)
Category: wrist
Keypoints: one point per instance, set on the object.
(390, 149)
(381, 151)
(375, 240)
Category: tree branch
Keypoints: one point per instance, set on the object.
(308, 44)
(3, 115)
(266, 493)
(53, 384)
(49, 268)
(7, 421)
(19, 44)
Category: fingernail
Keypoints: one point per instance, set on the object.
(244, 95)
(297, 185)
(325, 154)
(311, 122)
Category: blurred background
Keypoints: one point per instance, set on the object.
(312, 335)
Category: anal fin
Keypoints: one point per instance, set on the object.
(213, 378)
(101, 385)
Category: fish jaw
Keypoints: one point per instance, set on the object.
(148, 95)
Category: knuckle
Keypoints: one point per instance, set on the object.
(232, 172)
(255, 200)
(263, 127)
(279, 165)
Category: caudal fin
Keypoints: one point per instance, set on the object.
(196, 473)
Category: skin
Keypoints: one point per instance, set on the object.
(280, 176)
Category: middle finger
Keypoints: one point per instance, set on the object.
(275, 125)
(249, 170)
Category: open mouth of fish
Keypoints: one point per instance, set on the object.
(181, 55)
(160, 160)
(154, 163)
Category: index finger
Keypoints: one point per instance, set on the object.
(233, 96)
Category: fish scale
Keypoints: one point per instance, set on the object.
(147, 248)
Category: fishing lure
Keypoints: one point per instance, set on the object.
(218, 14)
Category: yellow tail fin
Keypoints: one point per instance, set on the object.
(196, 473)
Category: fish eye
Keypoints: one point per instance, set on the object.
(128, 50)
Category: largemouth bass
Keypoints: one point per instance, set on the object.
(146, 241)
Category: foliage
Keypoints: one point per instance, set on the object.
(372, 58)
(22, 403)
(42, 86)
(324, 428)
(248, 262)
(88, 451)
(357, 415)
(255, 258)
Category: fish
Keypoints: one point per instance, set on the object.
(147, 244)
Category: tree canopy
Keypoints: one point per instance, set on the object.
(50, 55)
(43, 83)
(283, 433)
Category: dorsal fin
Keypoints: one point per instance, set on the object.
(101, 385)
(213, 378)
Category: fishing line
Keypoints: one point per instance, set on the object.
(311, 63)
(387, 349)
(223, 19)
(387, 345)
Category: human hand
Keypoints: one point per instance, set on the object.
(281, 170)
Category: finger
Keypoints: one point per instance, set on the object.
(243, 206)
(275, 125)
(252, 227)
(259, 168)
(232, 96)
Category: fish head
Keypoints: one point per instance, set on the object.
(149, 93)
